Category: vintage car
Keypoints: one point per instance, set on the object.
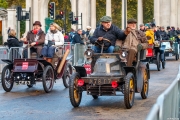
(109, 75)
(31, 70)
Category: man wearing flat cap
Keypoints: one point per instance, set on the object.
(107, 34)
(135, 41)
(35, 38)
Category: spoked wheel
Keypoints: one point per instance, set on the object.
(48, 79)
(67, 74)
(30, 86)
(74, 93)
(129, 90)
(145, 88)
(7, 81)
(177, 56)
(158, 61)
(95, 96)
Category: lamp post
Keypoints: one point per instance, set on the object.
(124, 13)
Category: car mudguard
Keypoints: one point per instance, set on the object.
(81, 70)
(7, 61)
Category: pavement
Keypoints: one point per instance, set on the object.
(24, 103)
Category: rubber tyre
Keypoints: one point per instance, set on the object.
(177, 56)
(67, 74)
(158, 62)
(30, 86)
(48, 74)
(95, 96)
(164, 63)
(6, 74)
(129, 90)
(145, 88)
(75, 95)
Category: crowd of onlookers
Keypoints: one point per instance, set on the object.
(162, 33)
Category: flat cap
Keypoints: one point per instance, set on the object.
(132, 20)
(141, 25)
(106, 19)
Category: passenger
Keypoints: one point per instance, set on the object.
(35, 38)
(107, 31)
(162, 35)
(149, 33)
(53, 37)
(12, 41)
(134, 42)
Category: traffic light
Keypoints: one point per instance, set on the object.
(76, 19)
(52, 10)
(71, 16)
(61, 14)
(19, 11)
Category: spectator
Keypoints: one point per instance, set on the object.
(12, 41)
(35, 38)
(66, 37)
(178, 31)
(142, 27)
(77, 37)
(71, 35)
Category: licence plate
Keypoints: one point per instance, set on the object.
(99, 81)
(170, 54)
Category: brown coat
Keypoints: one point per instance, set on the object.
(40, 37)
(134, 38)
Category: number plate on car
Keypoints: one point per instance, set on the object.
(99, 81)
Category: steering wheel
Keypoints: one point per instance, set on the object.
(102, 42)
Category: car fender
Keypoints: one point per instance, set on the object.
(81, 70)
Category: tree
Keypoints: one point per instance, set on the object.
(148, 10)
(3, 4)
(16, 3)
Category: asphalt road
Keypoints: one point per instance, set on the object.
(24, 103)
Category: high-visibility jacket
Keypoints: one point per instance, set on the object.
(150, 36)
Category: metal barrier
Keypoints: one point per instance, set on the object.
(79, 50)
(3, 55)
(15, 52)
(167, 105)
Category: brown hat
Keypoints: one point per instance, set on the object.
(37, 23)
(132, 20)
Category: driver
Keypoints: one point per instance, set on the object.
(107, 33)
(134, 42)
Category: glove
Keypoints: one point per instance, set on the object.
(127, 31)
(139, 47)
(117, 48)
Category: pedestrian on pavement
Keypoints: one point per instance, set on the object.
(142, 28)
(35, 38)
(77, 37)
(107, 33)
(135, 41)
